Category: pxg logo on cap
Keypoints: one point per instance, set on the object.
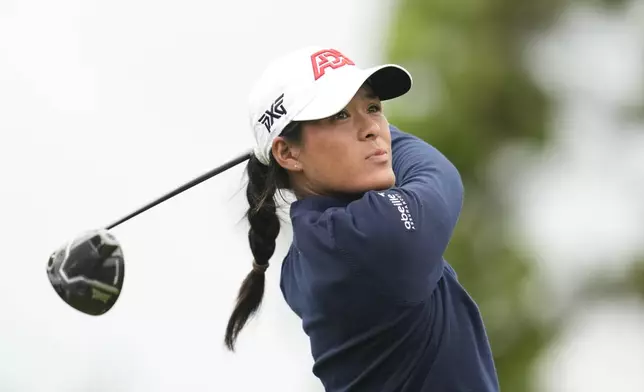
(276, 111)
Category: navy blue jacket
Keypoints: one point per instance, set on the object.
(382, 308)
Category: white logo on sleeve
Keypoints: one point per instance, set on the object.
(402, 207)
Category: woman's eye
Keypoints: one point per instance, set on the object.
(344, 114)
(341, 115)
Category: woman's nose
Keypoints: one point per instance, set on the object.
(369, 127)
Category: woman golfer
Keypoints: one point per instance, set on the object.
(375, 210)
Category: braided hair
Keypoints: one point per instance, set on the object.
(264, 181)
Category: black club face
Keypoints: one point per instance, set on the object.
(87, 272)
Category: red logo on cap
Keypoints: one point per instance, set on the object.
(328, 58)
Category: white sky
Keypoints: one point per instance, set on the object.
(588, 186)
(105, 106)
(578, 204)
(602, 350)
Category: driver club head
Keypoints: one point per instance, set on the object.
(88, 271)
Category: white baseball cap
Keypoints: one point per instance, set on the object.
(313, 83)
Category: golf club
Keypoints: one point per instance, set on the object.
(87, 272)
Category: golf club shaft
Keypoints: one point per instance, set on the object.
(184, 187)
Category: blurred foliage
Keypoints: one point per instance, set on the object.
(473, 95)
(630, 283)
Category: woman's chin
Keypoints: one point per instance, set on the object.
(379, 181)
(356, 185)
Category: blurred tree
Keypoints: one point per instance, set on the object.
(472, 96)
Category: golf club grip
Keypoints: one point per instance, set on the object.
(186, 186)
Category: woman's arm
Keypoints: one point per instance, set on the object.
(398, 235)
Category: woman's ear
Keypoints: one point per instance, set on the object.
(286, 154)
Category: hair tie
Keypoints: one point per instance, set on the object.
(259, 268)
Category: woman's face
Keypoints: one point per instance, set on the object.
(348, 153)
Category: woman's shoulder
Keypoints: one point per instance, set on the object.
(314, 220)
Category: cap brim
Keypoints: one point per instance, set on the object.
(387, 81)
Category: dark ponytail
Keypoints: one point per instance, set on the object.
(263, 183)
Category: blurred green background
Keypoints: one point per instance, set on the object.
(472, 53)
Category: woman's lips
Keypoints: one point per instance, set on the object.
(379, 155)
